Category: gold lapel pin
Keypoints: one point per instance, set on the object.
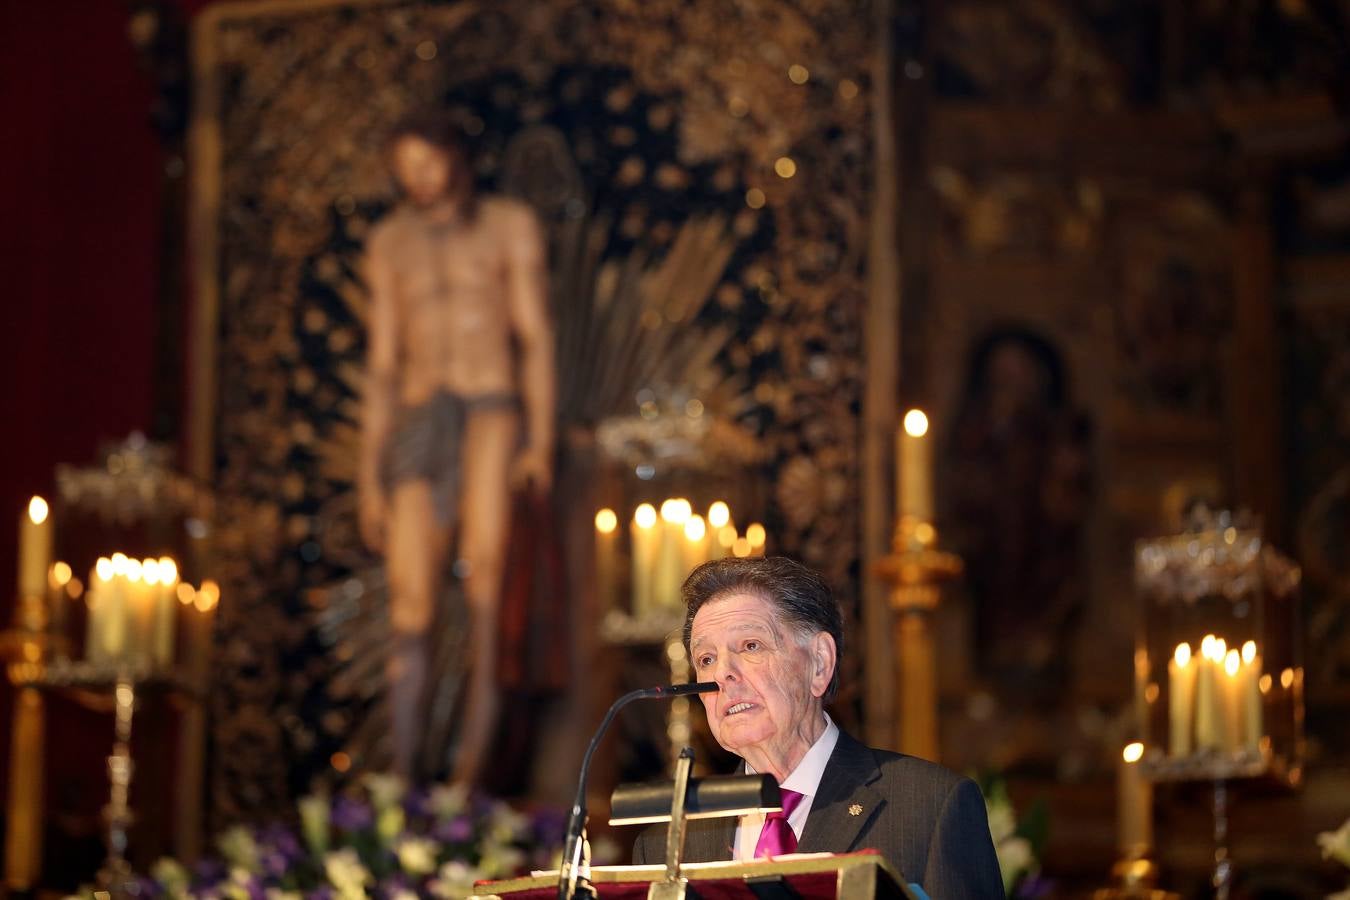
(855, 809)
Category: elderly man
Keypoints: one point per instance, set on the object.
(770, 634)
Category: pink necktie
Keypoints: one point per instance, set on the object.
(777, 836)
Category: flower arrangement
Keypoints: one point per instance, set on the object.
(1018, 843)
(1336, 845)
(383, 842)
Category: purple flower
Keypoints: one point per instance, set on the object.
(274, 863)
(208, 873)
(453, 831)
(282, 840)
(352, 815)
(416, 803)
(320, 893)
(147, 887)
(1033, 887)
(547, 824)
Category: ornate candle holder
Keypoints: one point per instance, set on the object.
(1218, 668)
(915, 570)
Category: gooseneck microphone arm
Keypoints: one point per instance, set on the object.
(576, 822)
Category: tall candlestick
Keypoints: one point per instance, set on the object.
(1180, 700)
(1134, 799)
(606, 557)
(94, 649)
(165, 613)
(1233, 702)
(719, 524)
(35, 548)
(914, 479)
(645, 540)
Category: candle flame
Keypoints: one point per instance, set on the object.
(645, 516)
(208, 596)
(606, 521)
(37, 510)
(133, 570)
(1182, 655)
(756, 535)
(168, 570)
(1207, 646)
(150, 571)
(1265, 683)
(1249, 652)
(1232, 661)
(104, 569)
(676, 510)
(740, 549)
(695, 529)
(719, 514)
(916, 423)
(1220, 649)
(61, 573)
(1133, 752)
(1287, 678)
(186, 593)
(726, 536)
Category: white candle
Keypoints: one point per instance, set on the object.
(1253, 718)
(166, 612)
(1206, 724)
(670, 568)
(757, 537)
(1180, 700)
(606, 558)
(95, 633)
(1232, 698)
(645, 540)
(35, 548)
(914, 479)
(719, 524)
(696, 540)
(1134, 803)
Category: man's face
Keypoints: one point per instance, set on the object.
(422, 169)
(771, 680)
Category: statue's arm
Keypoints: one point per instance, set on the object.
(377, 408)
(528, 280)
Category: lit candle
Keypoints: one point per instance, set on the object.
(914, 477)
(741, 548)
(645, 539)
(165, 613)
(58, 584)
(757, 537)
(115, 621)
(719, 522)
(202, 628)
(1253, 718)
(1180, 700)
(95, 645)
(141, 612)
(606, 557)
(1134, 798)
(670, 568)
(35, 548)
(1206, 724)
(1233, 702)
(695, 542)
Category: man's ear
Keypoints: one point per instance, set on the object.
(824, 656)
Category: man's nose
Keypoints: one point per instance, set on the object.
(725, 669)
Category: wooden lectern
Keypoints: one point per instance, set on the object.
(816, 876)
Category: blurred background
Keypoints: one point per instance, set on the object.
(1104, 246)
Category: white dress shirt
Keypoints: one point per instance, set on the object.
(805, 780)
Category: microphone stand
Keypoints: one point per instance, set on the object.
(576, 822)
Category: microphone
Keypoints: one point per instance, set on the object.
(576, 822)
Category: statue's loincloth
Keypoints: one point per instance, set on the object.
(427, 442)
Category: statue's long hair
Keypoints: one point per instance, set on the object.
(440, 131)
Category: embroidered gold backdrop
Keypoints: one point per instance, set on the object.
(752, 116)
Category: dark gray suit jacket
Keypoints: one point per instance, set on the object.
(928, 822)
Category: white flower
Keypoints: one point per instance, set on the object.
(1002, 821)
(172, 876)
(499, 861)
(385, 790)
(236, 887)
(239, 849)
(416, 855)
(346, 874)
(314, 812)
(278, 894)
(403, 894)
(505, 825)
(1336, 844)
(1014, 858)
(454, 881)
(389, 824)
(448, 801)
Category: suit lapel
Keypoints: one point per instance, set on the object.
(844, 802)
(708, 840)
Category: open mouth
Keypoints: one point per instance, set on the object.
(738, 708)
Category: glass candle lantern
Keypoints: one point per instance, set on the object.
(1218, 670)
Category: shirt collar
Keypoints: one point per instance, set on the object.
(805, 779)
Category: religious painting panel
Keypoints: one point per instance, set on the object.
(701, 173)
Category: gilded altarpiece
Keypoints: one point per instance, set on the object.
(652, 136)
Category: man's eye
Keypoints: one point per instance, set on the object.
(704, 661)
(752, 646)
